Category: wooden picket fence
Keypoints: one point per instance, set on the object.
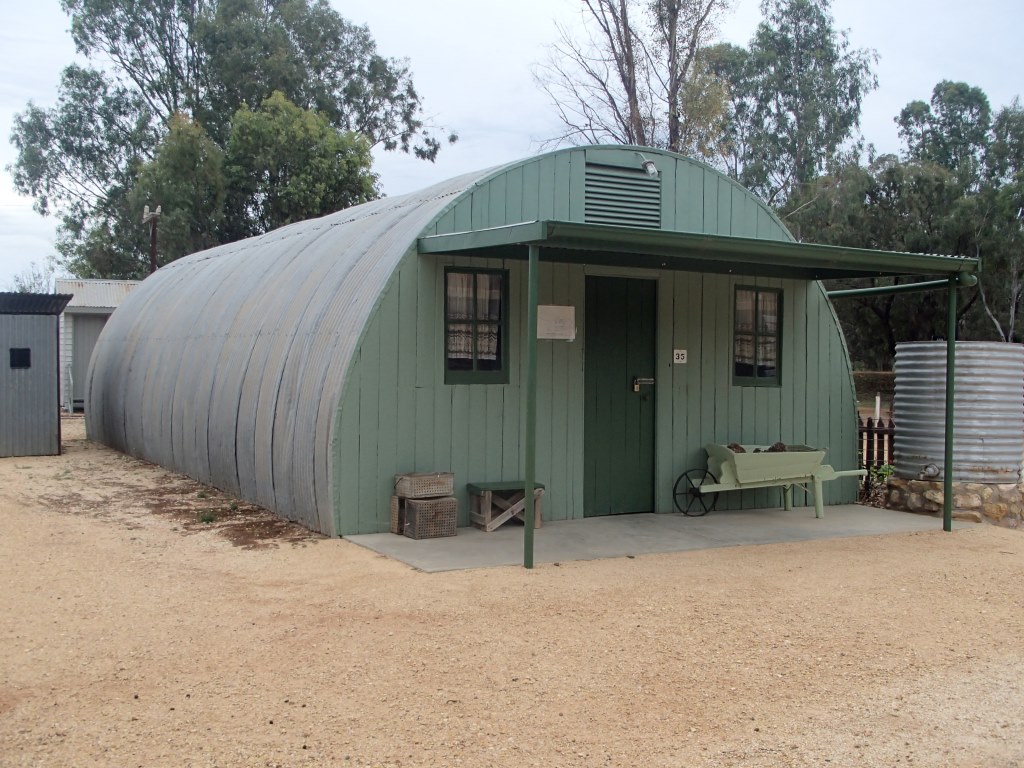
(874, 444)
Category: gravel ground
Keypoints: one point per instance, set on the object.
(146, 621)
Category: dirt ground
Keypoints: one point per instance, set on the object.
(144, 622)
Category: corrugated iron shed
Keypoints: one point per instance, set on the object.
(29, 413)
(107, 294)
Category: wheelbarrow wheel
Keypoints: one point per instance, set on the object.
(689, 498)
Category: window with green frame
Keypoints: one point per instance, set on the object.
(757, 336)
(476, 326)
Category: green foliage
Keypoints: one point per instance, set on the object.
(995, 215)
(731, 65)
(1004, 161)
(888, 205)
(79, 159)
(959, 190)
(173, 74)
(281, 164)
(207, 57)
(951, 131)
(880, 474)
(186, 178)
(796, 96)
(871, 383)
(285, 164)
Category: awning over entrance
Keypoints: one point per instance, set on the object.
(571, 242)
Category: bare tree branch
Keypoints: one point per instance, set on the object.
(630, 76)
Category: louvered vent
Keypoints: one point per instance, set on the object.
(622, 196)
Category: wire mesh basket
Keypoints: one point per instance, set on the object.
(430, 518)
(424, 485)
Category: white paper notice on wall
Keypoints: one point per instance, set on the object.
(554, 322)
(679, 356)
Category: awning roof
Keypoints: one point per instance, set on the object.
(33, 303)
(572, 242)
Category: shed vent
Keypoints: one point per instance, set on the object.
(622, 196)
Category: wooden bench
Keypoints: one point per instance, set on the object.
(493, 504)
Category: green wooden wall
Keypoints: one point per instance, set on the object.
(397, 415)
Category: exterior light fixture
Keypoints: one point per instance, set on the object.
(648, 166)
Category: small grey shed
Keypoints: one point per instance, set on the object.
(29, 407)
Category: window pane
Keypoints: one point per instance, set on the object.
(488, 297)
(767, 356)
(460, 347)
(21, 357)
(488, 347)
(744, 311)
(475, 325)
(460, 296)
(744, 365)
(768, 312)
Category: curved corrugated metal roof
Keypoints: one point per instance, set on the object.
(228, 365)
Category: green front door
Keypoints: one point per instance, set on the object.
(619, 396)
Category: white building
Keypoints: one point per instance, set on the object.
(80, 325)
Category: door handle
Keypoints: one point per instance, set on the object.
(638, 380)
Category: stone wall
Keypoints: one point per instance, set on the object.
(1001, 504)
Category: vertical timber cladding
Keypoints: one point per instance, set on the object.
(476, 431)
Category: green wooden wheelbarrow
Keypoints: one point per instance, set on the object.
(696, 490)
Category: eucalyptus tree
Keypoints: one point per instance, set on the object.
(958, 189)
(149, 60)
(998, 223)
(889, 204)
(795, 96)
(951, 130)
(284, 164)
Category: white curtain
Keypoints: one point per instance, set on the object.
(488, 313)
(460, 319)
(768, 330)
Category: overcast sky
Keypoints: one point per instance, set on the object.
(473, 61)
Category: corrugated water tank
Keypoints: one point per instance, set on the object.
(988, 431)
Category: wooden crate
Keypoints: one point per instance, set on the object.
(431, 518)
(424, 485)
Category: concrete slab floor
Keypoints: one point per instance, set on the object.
(626, 535)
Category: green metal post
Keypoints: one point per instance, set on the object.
(889, 290)
(947, 472)
(531, 401)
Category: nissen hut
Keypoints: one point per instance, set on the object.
(303, 369)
